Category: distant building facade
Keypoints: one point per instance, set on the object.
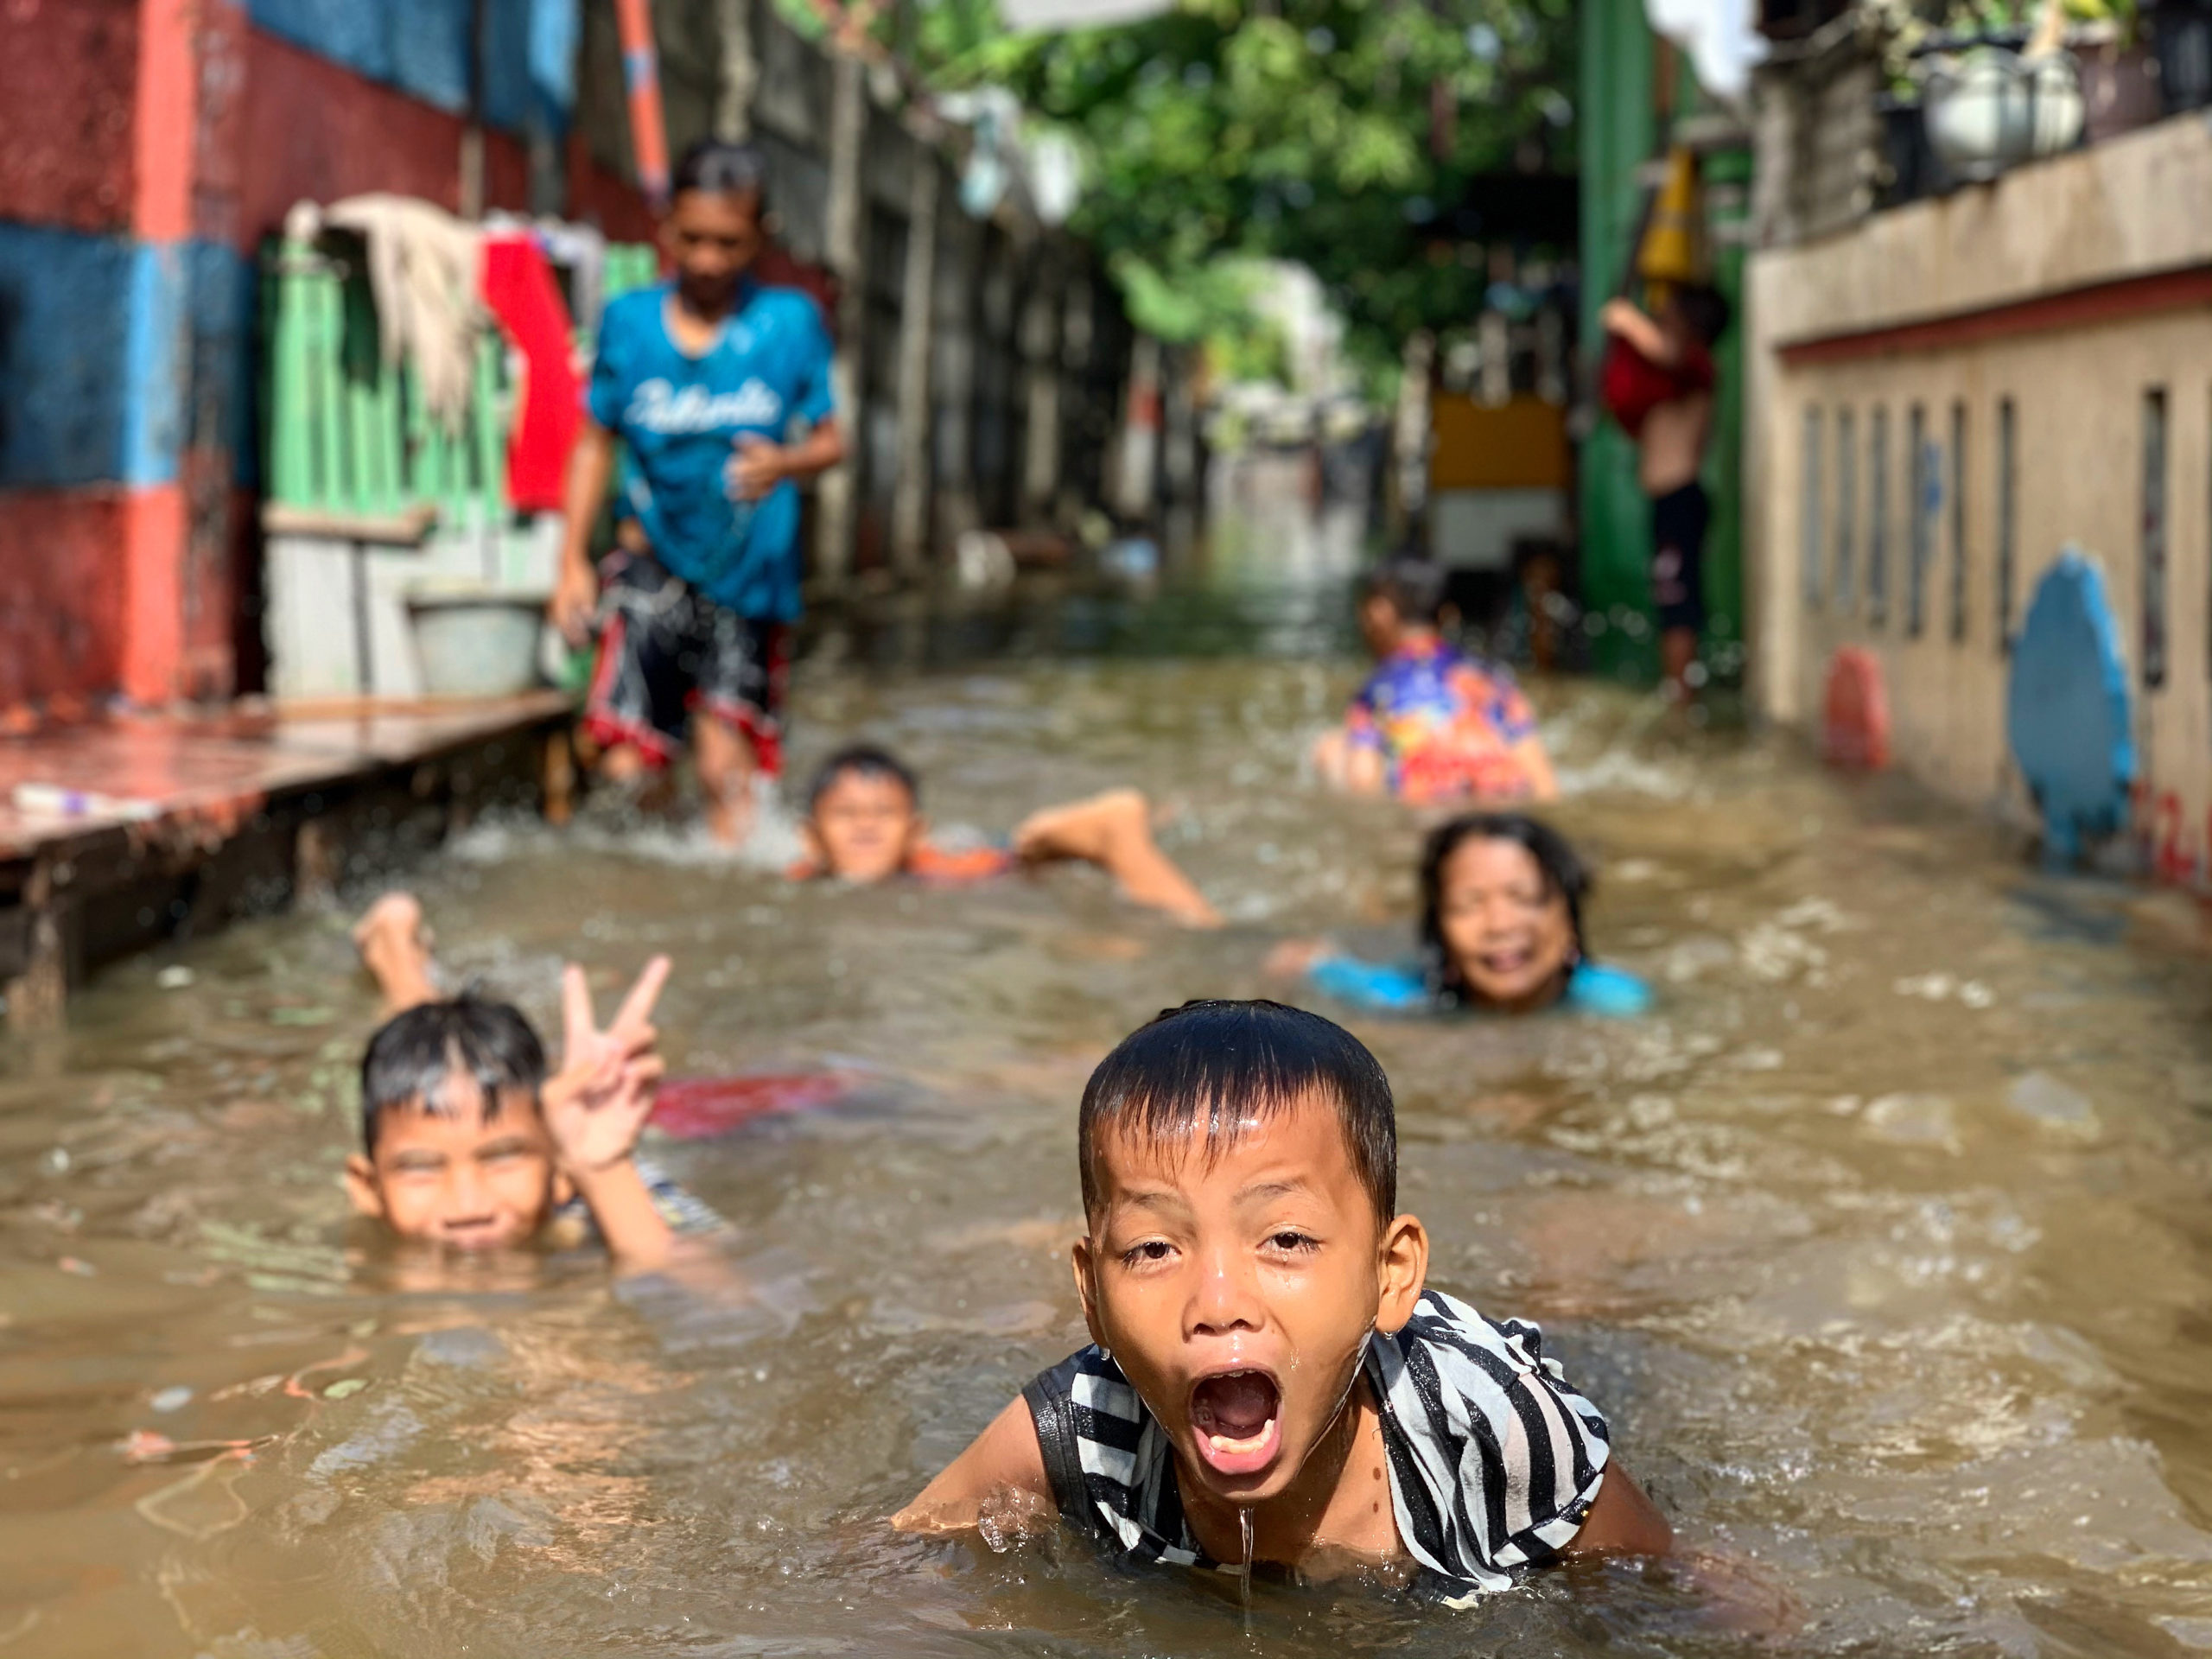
(1948, 391)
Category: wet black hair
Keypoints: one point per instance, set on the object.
(722, 168)
(1414, 586)
(1219, 1062)
(415, 1056)
(1564, 873)
(1704, 310)
(863, 760)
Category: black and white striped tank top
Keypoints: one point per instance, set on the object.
(1494, 1460)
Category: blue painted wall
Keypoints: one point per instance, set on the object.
(66, 303)
(116, 355)
(422, 48)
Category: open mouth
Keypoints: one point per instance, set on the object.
(1238, 1417)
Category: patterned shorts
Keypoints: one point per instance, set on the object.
(666, 651)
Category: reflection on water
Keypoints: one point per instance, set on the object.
(1884, 1243)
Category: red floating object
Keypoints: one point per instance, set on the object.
(1856, 730)
(700, 1108)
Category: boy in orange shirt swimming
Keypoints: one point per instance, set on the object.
(864, 824)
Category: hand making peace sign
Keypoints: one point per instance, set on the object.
(596, 1106)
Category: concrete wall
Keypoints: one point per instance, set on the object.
(151, 146)
(2070, 290)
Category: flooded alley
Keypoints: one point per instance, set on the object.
(1883, 1241)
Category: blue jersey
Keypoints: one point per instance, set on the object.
(681, 417)
(1399, 988)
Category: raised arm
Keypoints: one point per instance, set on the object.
(1003, 1467)
(394, 948)
(596, 1106)
(1114, 831)
(1625, 319)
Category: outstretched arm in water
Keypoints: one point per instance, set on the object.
(1114, 831)
(1004, 1467)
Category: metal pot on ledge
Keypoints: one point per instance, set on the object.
(1991, 108)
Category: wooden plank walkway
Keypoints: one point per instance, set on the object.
(117, 834)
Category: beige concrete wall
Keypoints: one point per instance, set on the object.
(2078, 393)
(2134, 206)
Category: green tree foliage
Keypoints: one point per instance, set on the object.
(1323, 132)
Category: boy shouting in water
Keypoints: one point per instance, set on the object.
(719, 387)
(471, 1141)
(1270, 1380)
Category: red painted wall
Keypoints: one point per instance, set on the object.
(315, 131)
(602, 197)
(61, 605)
(67, 82)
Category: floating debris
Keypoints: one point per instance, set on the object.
(203, 1503)
(2052, 1103)
(174, 1398)
(1914, 1121)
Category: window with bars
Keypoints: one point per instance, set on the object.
(1920, 484)
(1847, 508)
(1958, 487)
(1809, 511)
(2008, 518)
(2154, 537)
(1878, 518)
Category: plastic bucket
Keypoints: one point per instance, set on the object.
(477, 645)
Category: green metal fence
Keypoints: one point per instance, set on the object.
(347, 435)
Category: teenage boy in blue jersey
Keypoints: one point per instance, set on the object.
(719, 388)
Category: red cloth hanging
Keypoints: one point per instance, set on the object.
(520, 289)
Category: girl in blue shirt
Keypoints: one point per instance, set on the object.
(1501, 928)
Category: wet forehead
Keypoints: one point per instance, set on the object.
(462, 1126)
(1301, 1147)
(855, 792)
(1488, 864)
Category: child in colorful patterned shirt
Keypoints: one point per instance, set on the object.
(1432, 723)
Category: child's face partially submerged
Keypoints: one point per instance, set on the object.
(1506, 927)
(864, 826)
(1236, 1290)
(459, 1178)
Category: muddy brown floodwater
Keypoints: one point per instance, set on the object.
(1884, 1242)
